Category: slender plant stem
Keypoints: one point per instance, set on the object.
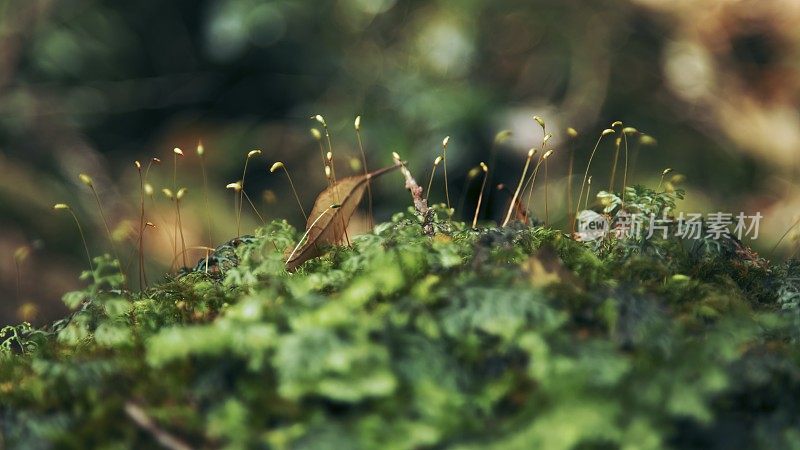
(294, 191)
(83, 240)
(480, 198)
(205, 198)
(324, 163)
(569, 183)
(614, 166)
(110, 237)
(583, 183)
(446, 184)
(625, 172)
(260, 217)
(241, 195)
(546, 212)
(180, 227)
(783, 236)
(532, 181)
(519, 186)
(175, 191)
(370, 218)
(142, 275)
(430, 183)
(334, 184)
(588, 191)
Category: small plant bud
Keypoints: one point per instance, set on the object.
(275, 167)
(473, 172)
(666, 171)
(237, 186)
(445, 141)
(437, 160)
(21, 253)
(357, 123)
(200, 149)
(85, 179)
(616, 123)
(321, 120)
(328, 172)
(531, 152)
(572, 132)
(148, 189)
(547, 154)
(329, 156)
(181, 192)
(316, 134)
(502, 136)
(484, 167)
(167, 193)
(177, 151)
(395, 156)
(648, 140)
(607, 131)
(58, 206)
(150, 224)
(547, 137)
(539, 121)
(138, 165)
(630, 130)
(253, 153)
(156, 161)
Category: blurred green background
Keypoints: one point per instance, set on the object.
(90, 86)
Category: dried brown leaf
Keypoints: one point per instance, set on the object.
(326, 225)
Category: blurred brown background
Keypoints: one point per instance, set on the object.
(90, 86)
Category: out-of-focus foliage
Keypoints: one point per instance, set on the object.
(92, 85)
(504, 338)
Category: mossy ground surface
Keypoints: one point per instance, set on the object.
(507, 338)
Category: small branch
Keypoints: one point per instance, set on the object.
(166, 440)
(420, 203)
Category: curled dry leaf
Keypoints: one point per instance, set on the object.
(326, 225)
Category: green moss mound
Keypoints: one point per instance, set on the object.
(501, 338)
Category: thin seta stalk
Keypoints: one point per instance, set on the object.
(250, 154)
(664, 173)
(140, 243)
(605, 133)
(279, 165)
(331, 173)
(485, 170)
(445, 141)
(572, 134)
(87, 180)
(357, 126)
(201, 154)
(66, 207)
(531, 152)
(436, 163)
(315, 133)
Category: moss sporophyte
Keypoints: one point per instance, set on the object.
(425, 331)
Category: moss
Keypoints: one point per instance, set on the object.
(514, 337)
